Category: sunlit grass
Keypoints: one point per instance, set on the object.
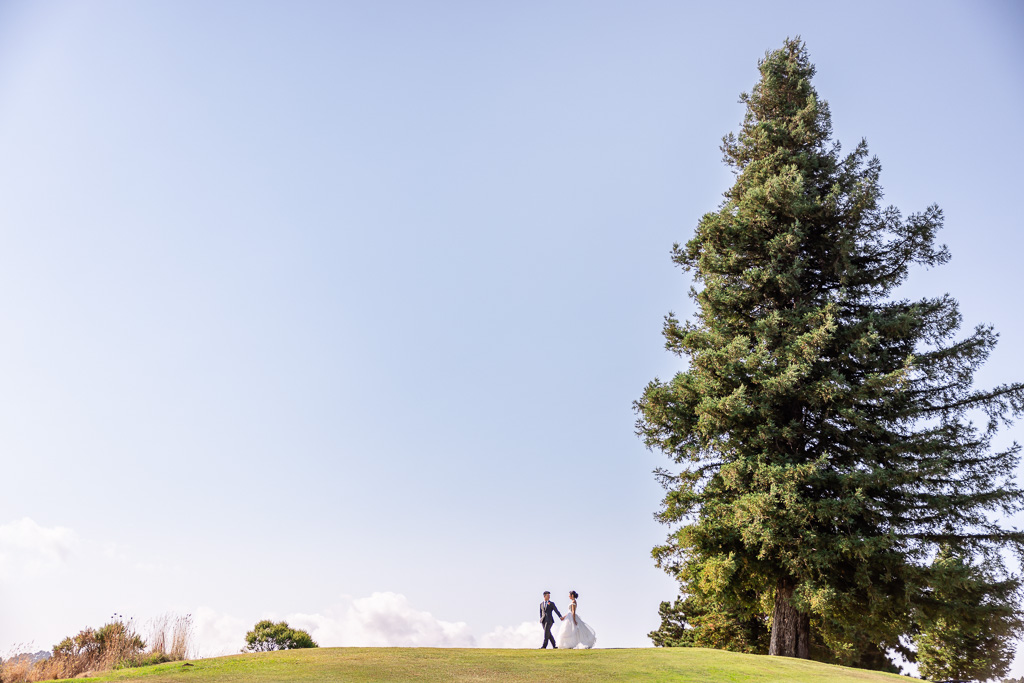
(685, 665)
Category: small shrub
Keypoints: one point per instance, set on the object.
(114, 645)
(267, 635)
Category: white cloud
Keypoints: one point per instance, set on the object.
(527, 635)
(217, 634)
(383, 619)
(28, 549)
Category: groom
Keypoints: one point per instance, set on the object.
(546, 620)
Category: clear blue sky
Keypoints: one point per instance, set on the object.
(306, 302)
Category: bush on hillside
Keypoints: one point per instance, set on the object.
(115, 645)
(267, 635)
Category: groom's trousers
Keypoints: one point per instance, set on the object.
(547, 635)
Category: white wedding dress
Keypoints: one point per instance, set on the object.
(575, 635)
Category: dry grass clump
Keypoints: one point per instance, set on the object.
(171, 635)
(116, 645)
(17, 666)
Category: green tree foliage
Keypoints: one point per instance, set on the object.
(688, 623)
(967, 624)
(823, 435)
(267, 635)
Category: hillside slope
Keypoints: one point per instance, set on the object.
(684, 665)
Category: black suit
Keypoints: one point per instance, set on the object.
(546, 608)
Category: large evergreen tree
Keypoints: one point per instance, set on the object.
(824, 426)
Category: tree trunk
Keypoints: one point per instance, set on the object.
(791, 630)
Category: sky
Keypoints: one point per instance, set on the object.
(336, 312)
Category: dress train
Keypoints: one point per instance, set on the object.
(573, 635)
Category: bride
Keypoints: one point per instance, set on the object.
(574, 632)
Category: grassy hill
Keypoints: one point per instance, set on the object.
(684, 665)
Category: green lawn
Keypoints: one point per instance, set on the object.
(685, 665)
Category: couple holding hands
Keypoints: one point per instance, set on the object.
(574, 632)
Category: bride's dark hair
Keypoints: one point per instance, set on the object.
(574, 594)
